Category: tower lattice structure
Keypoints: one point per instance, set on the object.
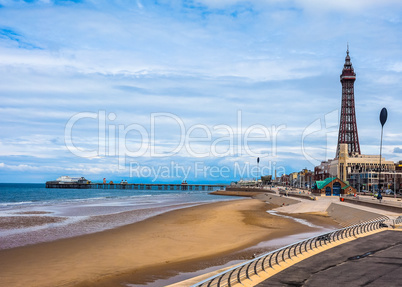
(348, 127)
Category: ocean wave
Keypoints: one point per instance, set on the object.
(15, 203)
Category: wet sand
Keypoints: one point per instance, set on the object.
(14, 222)
(153, 248)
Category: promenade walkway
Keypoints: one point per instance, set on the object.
(374, 260)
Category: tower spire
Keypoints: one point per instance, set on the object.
(348, 127)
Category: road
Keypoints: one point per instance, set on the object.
(374, 260)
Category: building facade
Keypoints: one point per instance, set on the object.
(321, 171)
(361, 171)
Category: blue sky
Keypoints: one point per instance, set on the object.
(225, 81)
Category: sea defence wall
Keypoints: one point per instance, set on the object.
(346, 215)
(383, 206)
(249, 189)
(258, 193)
(297, 194)
(277, 200)
(242, 191)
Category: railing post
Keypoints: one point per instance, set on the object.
(248, 266)
(263, 262)
(255, 266)
(276, 258)
(290, 249)
(348, 233)
(339, 233)
(219, 281)
(270, 264)
(238, 274)
(369, 226)
(230, 275)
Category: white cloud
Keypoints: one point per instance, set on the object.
(396, 67)
(346, 5)
(317, 5)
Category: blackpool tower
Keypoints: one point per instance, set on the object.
(347, 127)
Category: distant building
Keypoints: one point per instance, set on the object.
(305, 178)
(67, 179)
(398, 166)
(284, 180)
(293, 179)
(266, 179)
(332, 186)
(321, 171)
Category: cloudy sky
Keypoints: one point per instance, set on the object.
(172, 90)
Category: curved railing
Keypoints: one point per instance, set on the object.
(274, 258)
(398, 220)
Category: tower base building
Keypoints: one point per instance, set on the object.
(360, 171)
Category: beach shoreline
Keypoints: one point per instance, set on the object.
(145, 250)
(41, 221)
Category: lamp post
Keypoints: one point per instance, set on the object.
(258, 170)
(383, 119)
(395, 184)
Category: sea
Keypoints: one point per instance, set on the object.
(32, 213)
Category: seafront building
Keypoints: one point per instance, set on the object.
(332, 186)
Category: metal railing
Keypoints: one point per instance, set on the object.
(274, 258)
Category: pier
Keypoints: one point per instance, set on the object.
(136, 186)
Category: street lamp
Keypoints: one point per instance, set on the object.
(258, 169)
(383, 119)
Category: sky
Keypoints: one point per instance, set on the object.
(166, 91)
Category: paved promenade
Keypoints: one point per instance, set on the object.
(374, 260)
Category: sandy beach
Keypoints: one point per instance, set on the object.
(152, 247)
